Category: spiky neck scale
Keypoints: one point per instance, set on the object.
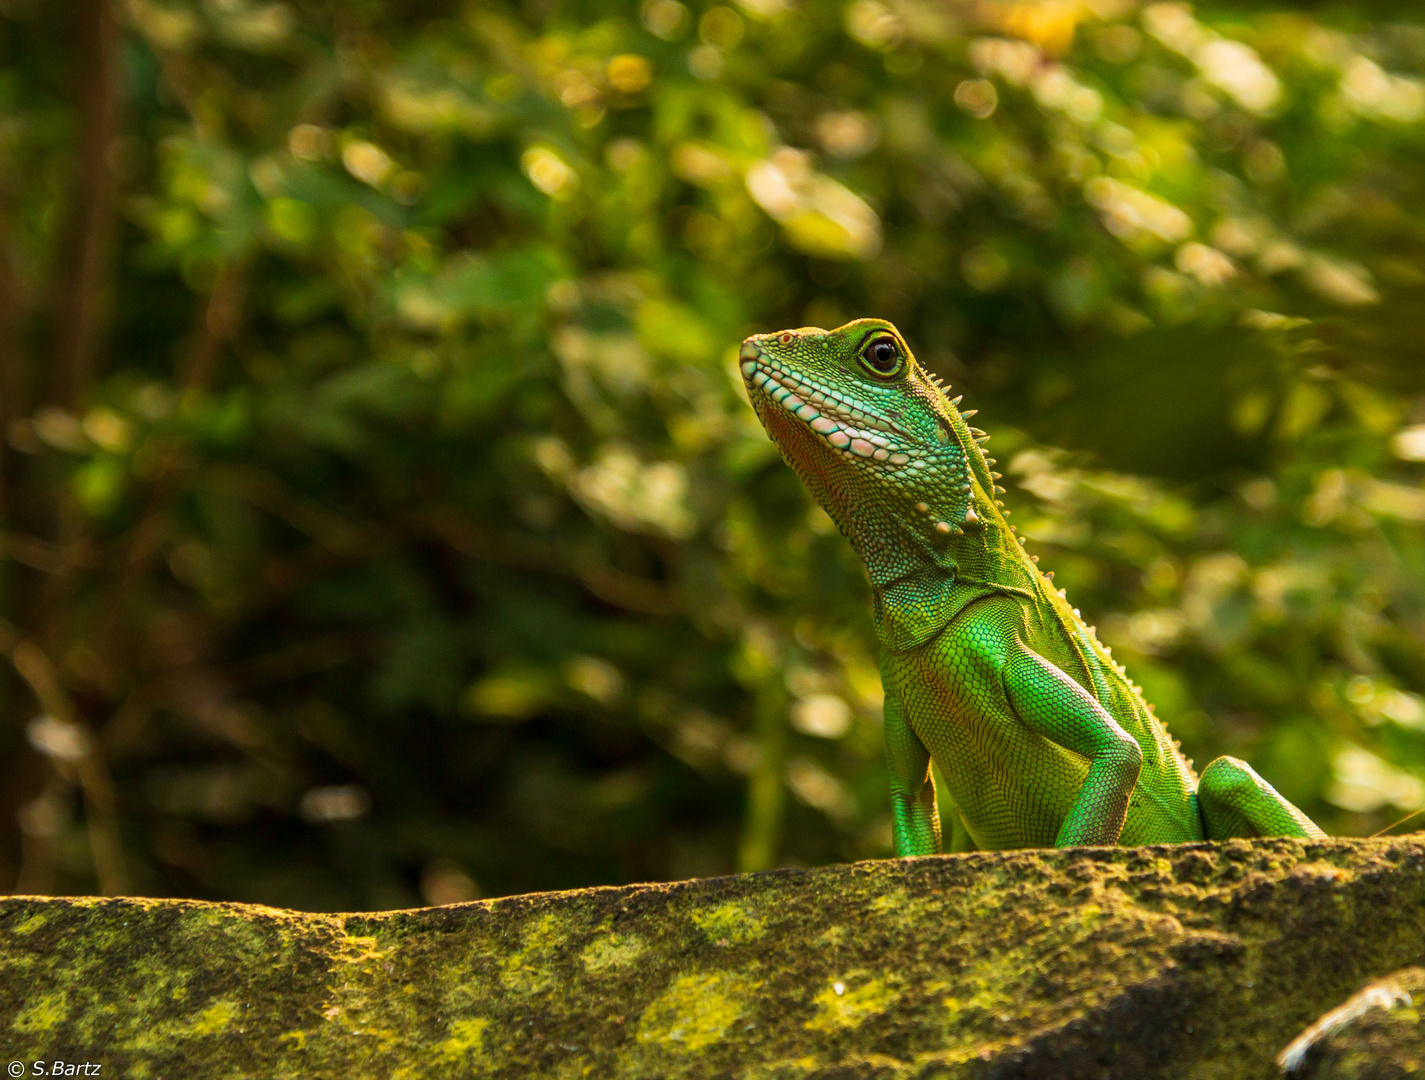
(895, 464)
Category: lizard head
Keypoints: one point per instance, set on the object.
(862, 423)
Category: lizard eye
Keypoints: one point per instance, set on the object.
(883, 357)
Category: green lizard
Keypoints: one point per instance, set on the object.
(1039, 735)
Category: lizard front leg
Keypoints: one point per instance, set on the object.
(915, 822)
(1235, 801)
(1050, 703)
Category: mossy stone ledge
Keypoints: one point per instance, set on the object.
(1200, 960)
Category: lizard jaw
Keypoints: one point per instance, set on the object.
(844, 428)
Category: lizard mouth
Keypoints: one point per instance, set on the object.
(846, 429)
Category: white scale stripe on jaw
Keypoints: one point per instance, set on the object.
(801, 400)
(788, 387)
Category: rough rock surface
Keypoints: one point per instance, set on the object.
(1200, 960)
(1374, 1035)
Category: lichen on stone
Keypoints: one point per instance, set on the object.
(696, 1010)
(841, 1007)
(729, 924)
(1200, 962)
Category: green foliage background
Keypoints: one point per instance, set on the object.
(383, 521)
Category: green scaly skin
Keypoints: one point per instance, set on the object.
(1040, 737)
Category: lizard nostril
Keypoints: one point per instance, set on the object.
(749, 352)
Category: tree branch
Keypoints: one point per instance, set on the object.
(84, 254)
(86, 765)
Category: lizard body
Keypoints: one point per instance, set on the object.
(1040, 737)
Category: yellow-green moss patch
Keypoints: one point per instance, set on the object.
(696, 1011)
(841, 1006)
(889, 902)
(171, 1034)
(611, 951)
(730, 924)
(43, 1015)
(466, 1042)
(982, 1001)
(528, 969)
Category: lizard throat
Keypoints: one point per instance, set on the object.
(843, 427)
